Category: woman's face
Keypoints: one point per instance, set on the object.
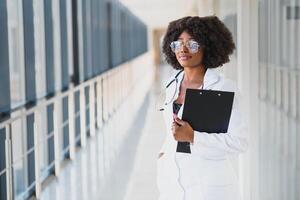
(184, 56)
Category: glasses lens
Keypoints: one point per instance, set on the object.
(192, 46)
(175, 46)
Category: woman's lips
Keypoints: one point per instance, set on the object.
(184, 58)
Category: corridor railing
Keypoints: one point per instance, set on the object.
(38, 139)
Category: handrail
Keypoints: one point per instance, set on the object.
(58, 95)
(106, 92)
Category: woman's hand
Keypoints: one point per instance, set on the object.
(183, 133)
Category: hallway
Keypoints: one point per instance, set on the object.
(81, 81)
(133, 177)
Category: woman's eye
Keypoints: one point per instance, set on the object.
(178, 43)
(193, 44)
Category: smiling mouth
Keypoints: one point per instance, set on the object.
(184, 58)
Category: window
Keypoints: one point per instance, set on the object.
(4, 62)
(16, 53)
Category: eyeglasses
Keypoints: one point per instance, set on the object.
(192, 45)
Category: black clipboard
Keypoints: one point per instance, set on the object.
(208, 110)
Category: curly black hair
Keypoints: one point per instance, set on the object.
(209, 32)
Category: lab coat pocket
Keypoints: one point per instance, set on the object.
(218, 173)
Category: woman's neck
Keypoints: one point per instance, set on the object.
(194, 75)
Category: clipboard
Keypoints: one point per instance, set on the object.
(208, 110)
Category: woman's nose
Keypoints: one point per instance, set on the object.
(183, 49)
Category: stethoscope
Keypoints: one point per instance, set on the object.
(176, 81)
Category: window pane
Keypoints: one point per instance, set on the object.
(15, 34)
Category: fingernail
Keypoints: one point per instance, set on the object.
(174, 116)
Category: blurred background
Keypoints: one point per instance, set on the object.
(79, 80)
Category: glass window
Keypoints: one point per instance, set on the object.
(77, 116)
(65, 129)
(4, 63)
(43, 142)
(2, 165)
(87, 107)
(49, 47)
(19, 158)
(64, 45)
(16, 52)
(50, 135)
(39, 38)
(29, 48)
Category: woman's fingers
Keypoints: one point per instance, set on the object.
(180, 121)
(181, 131)
(174, 127)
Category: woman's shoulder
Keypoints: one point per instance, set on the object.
(228, 84)
(231, 85)
(170, 78)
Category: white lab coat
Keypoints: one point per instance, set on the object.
(207, 173)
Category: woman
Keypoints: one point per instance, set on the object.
(195, 165)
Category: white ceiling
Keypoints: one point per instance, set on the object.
(158, 13)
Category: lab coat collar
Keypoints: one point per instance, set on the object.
(210, 77)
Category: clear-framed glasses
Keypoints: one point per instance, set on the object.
(192, 45)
